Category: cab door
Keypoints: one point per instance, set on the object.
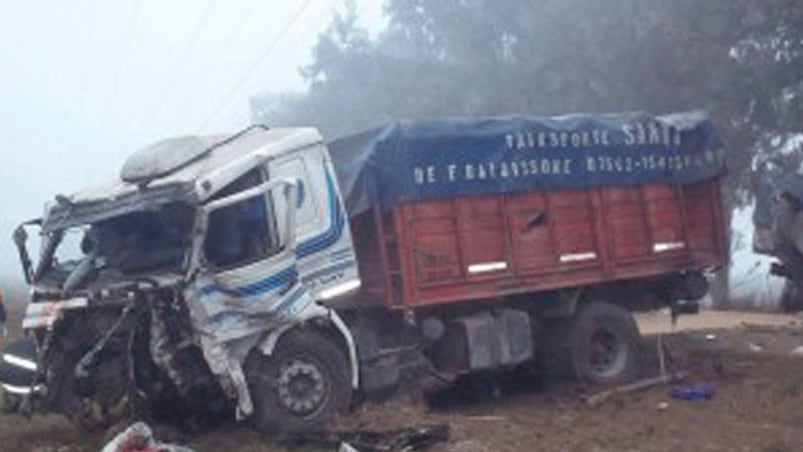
(246, 278)
(243, 279)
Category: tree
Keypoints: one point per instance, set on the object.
(736, 58)
(741, 60)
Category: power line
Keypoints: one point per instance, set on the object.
(244, 18)
(131, 27)
(88, 48)
(239, 24)
(263, 56)
(189, 45)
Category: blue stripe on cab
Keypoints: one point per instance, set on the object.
(269, 284)
(337, 221)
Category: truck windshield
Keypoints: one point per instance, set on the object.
(138, 242)
(143, 241)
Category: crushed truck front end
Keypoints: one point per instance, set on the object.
(169, 290)
(106, 305)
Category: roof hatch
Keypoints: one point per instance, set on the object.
(162, 158)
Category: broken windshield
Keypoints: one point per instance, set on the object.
(132, 244)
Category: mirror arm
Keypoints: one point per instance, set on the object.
(291, 192)
(20, 239)
(198, 234)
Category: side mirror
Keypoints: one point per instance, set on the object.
(285, 204)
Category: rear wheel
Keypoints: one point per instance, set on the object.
(605, 344)
(11, 403)
(791, 297)
(301, 385)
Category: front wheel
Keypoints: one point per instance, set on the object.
(301, 385)
(605, 344)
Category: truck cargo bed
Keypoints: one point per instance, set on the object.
(477, 247)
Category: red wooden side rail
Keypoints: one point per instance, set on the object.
(443, 251)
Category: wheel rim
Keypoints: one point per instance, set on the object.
(607, 355)
(301, 386)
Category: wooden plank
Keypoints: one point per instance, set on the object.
(578, 237)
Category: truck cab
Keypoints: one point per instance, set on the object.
(225, 243)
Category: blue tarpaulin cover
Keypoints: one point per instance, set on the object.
(436, 158)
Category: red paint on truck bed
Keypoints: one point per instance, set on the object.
(452, 250)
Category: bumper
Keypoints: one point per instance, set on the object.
(45, 314)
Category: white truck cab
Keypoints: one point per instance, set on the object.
(262, 241)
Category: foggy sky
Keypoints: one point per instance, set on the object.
(86, 82)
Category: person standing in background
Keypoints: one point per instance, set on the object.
(3, 323)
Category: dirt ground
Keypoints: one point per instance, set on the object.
(749, 358)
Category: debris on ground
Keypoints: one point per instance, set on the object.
(695, 391)
(600, 397)
(755, 347)
(139, 438)
(406, 439)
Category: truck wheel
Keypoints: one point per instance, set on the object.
(301, 385)
(11, 403)
(791, 297)
(605, 344)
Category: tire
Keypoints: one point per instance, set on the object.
(605, 345)
(791, 297)
(304, 383)
(11, 403)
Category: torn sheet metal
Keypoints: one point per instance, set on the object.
(227, 327)
(139, 437)
(405, 439)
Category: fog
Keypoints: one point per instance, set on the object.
(86, 82)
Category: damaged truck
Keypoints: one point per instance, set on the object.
(778, 232)
(270, 276)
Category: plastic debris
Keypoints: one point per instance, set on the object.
(798, 351)
(139, 438)
(695, 391)
(406, 439)
(663, 406)
(346, 447)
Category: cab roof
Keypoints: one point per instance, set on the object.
(189, 168)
